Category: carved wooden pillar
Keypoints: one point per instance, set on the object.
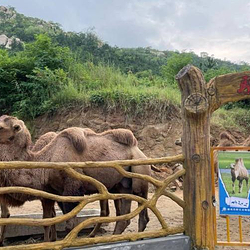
(198, 212)
(199, 100)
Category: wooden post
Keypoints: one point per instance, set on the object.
(198, 216)
(199, 100)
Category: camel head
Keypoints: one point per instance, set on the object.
(13, 130)
(232, 165)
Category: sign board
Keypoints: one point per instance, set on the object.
(234, 169)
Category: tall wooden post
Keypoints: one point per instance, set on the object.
(198, 216)
(199, 100)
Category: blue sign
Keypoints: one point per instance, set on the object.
(234, 168)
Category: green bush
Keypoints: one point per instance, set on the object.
(30, 78)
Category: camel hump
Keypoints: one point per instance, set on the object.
(43, 141)
(76, 137)
(123, 136)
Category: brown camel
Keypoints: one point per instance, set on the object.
(75, 144)
(44, 140)
(14, 148)
(40, 143)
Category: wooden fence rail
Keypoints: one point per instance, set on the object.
(70, 167)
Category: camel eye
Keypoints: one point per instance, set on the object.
(17, 127)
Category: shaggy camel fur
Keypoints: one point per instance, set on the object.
(13, 148)
(87, 145)
(45, 139)
(40, 143)
(114, 144)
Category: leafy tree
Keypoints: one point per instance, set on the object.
(30, 78)
(174, 64)
(211, 73)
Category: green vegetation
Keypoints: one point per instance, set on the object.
(52, 68)
(235, 118)
(226, 158)
(45, 76)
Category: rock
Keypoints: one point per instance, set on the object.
(3, 40)
(7, 42)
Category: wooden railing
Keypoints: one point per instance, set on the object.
(72, 238)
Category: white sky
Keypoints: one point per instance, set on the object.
(219, 27)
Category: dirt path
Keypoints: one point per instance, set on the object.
(171, 212)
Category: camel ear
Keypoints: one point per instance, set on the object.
(16, 127)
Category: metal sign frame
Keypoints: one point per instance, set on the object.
(228, 241)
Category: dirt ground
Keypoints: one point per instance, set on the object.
(171, 212)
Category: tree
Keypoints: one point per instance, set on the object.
(174, 64)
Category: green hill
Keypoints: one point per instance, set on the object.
(49, 68)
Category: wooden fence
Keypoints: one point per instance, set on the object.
(71, 239)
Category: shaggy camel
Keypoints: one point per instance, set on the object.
(14, 148)
(40, 143)
(76, 144)
(44, 140)
(240, 173)
(114, 144)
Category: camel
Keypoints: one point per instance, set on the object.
(225, 140)
(14, 148)
(114, 144)
(44, 140)
(40, 143)
(75, 144)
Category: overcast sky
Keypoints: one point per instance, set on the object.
(219, 27)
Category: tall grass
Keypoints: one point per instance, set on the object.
(106, 86)
(236, 118)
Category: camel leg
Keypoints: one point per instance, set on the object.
(53, 233)
(122, 206)
(233, 185)
(105, 212)
(143, 216)
(240, 186)
(49, 212)
(5, 213)
(117, 207)
(68, 207)
(70, 190)
(125, 208)
(104, 205)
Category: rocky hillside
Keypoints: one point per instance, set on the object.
(156, 138)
